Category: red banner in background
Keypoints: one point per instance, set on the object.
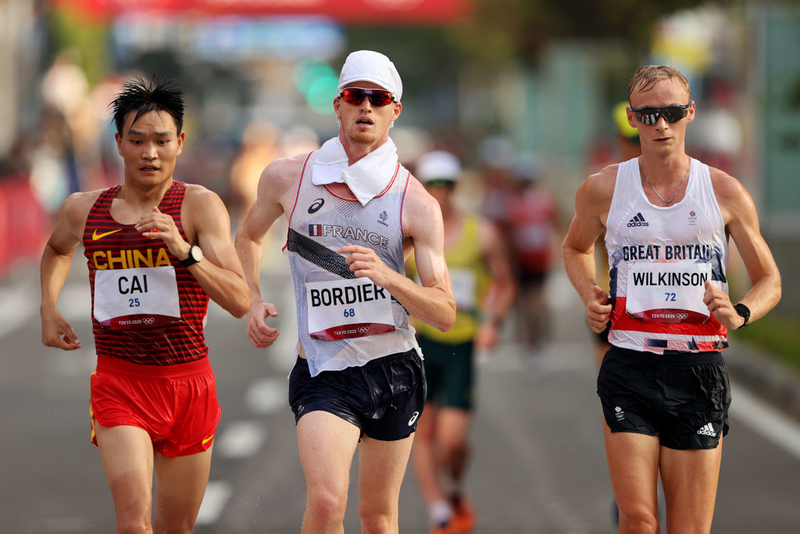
(375, 12)
(23, 224)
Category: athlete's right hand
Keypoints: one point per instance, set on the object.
(260, 333)
(598, 310)
(56, 332)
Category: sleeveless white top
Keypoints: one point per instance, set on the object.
(659, 259)
(344, 321)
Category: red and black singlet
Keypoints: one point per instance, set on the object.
(146, 308)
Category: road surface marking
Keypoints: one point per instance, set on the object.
(765, 420)
(241, 439)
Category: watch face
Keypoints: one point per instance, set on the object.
(196, 253)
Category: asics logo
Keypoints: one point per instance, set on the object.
(96, 236)
(413, 418)
(316, 206)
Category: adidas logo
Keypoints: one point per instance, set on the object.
(707, 430)
(638, 220)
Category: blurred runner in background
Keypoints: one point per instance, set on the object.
(484, 290)
(534, 232)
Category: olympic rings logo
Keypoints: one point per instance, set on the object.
(363, 329)
(149, 320)
(682, 315)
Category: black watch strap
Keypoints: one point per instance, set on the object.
(743, 312)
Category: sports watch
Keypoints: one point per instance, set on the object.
(195, 255)
(743, 312)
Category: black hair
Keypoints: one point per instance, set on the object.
(143, 97)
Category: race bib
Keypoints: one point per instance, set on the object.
(463, 288)
(341, 309)
(130, 299)
(668, 292)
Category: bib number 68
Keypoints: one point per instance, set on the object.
(349, 312)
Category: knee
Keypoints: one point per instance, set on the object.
(641, 523)
(377, 521)
(134, 525)
(453, 448)
(326, 507)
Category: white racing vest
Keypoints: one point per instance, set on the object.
(659, 259)
(344, 321)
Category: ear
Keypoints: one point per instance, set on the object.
(631, 119)
(690, 113)
(118, 139)
(398, 107)
(337, 107)
(181, 137)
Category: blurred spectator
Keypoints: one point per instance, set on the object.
(54, 172)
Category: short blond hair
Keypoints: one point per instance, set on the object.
(646, 77)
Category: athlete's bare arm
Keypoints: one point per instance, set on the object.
(277, 190)
(592, 203)
(206, 223)
(741, 223)
(55, 264)
(504, 288)
(433, 301)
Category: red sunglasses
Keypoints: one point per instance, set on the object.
(377, 97)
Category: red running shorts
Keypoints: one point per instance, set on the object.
(176, 404)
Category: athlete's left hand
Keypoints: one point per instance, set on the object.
(719, 304)
(161, 226)
(364, 262)
(486, 337)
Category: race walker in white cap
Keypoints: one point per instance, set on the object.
(353, 210)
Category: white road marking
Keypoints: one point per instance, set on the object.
(241, 439)
(218, 492)
(267, 396)
(767, 421)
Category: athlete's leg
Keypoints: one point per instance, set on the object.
(424, 458)
(690, 480)
(127, 456)
(451, 434)
(180, 485)
(633, 467)
(381, 467)
(326, 444)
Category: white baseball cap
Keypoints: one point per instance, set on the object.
(437, 165)
(369, 66)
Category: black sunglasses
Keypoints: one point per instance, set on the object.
(377, 97)
(650, 116)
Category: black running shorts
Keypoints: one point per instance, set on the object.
(383, 398)
(682, 398)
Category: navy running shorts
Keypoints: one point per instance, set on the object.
(682, 398)
(383, 398)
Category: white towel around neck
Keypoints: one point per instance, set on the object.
(366, 178)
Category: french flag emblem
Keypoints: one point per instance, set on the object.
(314, 230)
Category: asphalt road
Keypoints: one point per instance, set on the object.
(538, 466)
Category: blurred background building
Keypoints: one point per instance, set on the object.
(260, 77)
